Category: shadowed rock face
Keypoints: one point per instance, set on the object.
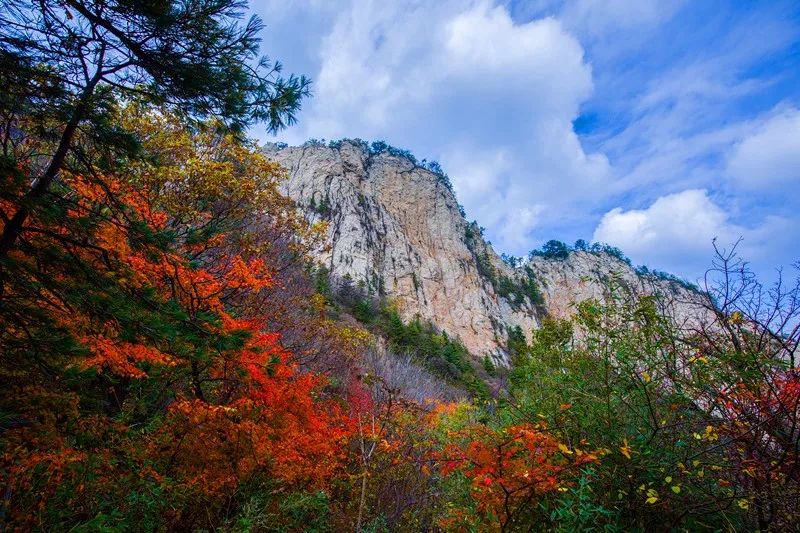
(397, 228)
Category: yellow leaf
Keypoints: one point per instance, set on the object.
(676, 489)
(743, 504)
(668, 479)
(564, 449)
(646, 377)
(625, 450)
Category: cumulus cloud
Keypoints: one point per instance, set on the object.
(676, 231)
(677, 226)
(769, 159)
(491, 98)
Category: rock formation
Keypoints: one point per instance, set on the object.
(396, 228)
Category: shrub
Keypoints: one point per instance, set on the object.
(516, 344)
(552, 249)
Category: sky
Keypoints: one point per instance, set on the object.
(651, 125)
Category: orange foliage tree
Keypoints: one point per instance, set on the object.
(510, 470)
(135, 345)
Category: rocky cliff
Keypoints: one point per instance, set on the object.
(396, 228)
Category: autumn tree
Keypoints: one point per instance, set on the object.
(500, 476)
(65, 63)
(742, 368)
(698, 418)
(136, 302)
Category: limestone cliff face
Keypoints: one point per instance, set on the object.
(585, 275)
(398, 229)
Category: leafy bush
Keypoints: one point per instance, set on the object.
(444, 356)
(489, 366)
(379, 147)
(552, 249)
(516, 290)
(323, 208)
(516, 345)
(510, 260)
(613, 251)
(296, 511)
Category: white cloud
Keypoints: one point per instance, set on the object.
(675, 228)
(681, 115)
(491, 98)
(769, 158)
(675, 233)
(688, 219)
(596, 17)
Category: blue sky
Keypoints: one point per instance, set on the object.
(653, 125)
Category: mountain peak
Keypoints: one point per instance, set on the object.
(396, 228)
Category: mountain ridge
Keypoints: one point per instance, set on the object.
(396, 228)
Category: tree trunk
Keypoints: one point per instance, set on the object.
(363, 501)
(40, 186)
